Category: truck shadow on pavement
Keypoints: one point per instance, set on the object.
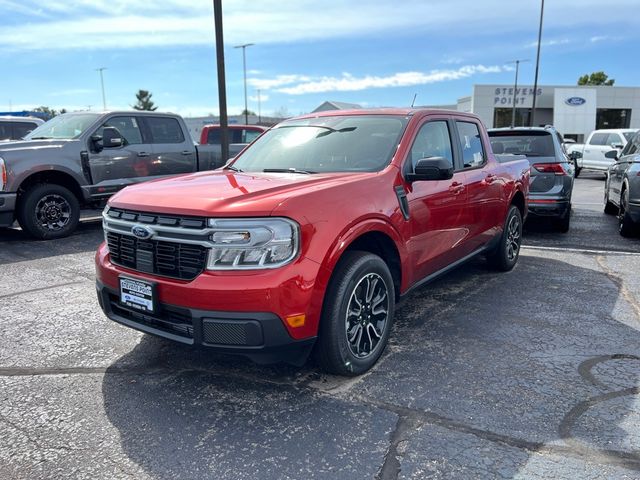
(487, 375)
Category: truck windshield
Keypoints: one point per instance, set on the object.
(64, 127)
(359, 143)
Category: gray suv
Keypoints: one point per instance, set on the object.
(552, 172)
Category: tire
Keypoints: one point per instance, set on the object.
(505, 256)
(357, 274)
(626, 227)
(609, 208)
(47, 211)
(561, 224)
(577, 171)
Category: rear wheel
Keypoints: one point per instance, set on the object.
(505, 255)
(577, 171)
(357, 315)
(562, 223)
(626, 227)
(48, 211)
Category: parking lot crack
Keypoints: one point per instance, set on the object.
(406, 425)
(619, 282)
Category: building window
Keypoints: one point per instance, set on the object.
(502, 117)
(613, 118)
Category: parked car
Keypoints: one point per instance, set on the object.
(80, 159)
(599, 142)
(552, 172)
(622, 189)
(15, 128)
(311, 235)
(238, 134)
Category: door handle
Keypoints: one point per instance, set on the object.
(456, 188)
(143, 154)
(490, 178)
(186, 152)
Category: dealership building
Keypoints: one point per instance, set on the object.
(574, 110)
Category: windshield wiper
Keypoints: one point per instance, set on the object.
(287, 170)
(231, 167)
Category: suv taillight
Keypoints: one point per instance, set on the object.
(3, 174)
(555, 168)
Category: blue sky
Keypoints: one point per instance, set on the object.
(375, 53)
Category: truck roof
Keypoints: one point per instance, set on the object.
(384, 111)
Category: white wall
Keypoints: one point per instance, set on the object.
(575, 119)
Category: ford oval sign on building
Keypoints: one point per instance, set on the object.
(575, 101)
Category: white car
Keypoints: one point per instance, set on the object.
(592, 153)
(14, 127)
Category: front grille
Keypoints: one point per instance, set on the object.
(169, 259)
(169, 319)
(157, 219)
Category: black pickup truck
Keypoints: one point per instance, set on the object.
(78, 160)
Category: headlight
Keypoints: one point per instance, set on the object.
(3, 174)
(252, 243)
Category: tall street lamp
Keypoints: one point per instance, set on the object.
(515, 88)
(104, 101)
(244, 70)
(535, 82)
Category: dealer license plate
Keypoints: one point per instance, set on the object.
(137, 294)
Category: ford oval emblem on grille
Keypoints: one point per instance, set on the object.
(575, 101)
(141, 232)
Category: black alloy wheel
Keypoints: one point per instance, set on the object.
(48, 211)
(357, 314)
(626, 227)
(505, 256)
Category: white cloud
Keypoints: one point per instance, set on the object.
(549, 43)
(263, 98)
(350, 83)
(278, 81)
(58, 24)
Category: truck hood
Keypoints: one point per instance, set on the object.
(8, 149)
(224, 193)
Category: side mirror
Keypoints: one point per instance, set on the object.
(613, 154)
(111, 138)
(617, 145)
(575, 155)
(431, 168)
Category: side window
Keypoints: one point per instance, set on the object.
(128, 128)
(5, 131)
(471, 144)
(20, 129)
(614, 139)
(433, 140)
(165, 130)
(599, 139)
(249, 136)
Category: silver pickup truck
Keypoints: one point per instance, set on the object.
(78, 160)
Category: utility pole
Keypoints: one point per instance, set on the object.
(515, 87)
(104, 101)
(244, 70)
(222, 92)
(535, 82)
(259, 108)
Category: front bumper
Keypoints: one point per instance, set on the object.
(7, 208)
(233, 312)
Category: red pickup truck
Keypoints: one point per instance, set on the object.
(311, 235)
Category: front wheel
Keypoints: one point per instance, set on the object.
(357, 315)
(48, 211)
(506, 253)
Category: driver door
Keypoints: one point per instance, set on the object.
(119, 166)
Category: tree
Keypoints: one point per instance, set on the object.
(144, 101)
(596, 78)
(249, 112)
(50, 112)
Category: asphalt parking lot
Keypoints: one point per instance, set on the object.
(529, 374)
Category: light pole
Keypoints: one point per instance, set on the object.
(244, 70)
(259, 108)
(535, 81)
(222, 85)
(104, 101)
(515, 88)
